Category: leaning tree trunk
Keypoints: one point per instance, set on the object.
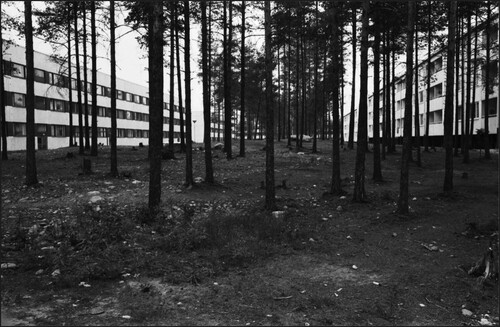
(448, 105)
(405, 156)
(359, 173)
(31, 174)
(179, 82)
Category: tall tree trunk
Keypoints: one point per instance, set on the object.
(270, 191)
(384, 93)
(468, 86)
(179, 81)
(93, 149)
(393, 103)
(172, 79)
(78, 84)
(155, 46)
(297, 92)
(350, 142)
(316, 96)
(187, 81)
(209, 173)
(31, 173)
(457, 88)
(462, 109)
(342, 85)
(336, 187)
(243, 80)
(405, 156)
(359, 173)
(2, 101)
(228, 108)
(429, 57)
(487, 154)
(112, 54)
(279, 95)
(377, 169)
(289, 123)
(448, 105)
(70, 87)
(85, 78)
(418, 159)
(474, 67)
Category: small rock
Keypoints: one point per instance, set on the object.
(339, 208)
(343, 197)
(349, 237)
(56, 273)
(48, 248)
(485, 322)
(311, 239)
(126, 317)
(394, 234)
(93, 193)
(466, 312)
(354, 267)
(324, 219)
(97, 208)
(39, 272)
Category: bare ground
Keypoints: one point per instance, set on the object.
(215, 257)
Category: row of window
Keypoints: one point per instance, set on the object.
(19, 129)
(42, 76)
(42, 103)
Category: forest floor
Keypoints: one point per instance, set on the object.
(79, 249)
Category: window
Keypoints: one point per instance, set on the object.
(144, 100)
(40, 129)
(421, 96)
(128, 115)
(58, 130)
(107, 92)
(120, 114)
(17, 70)
(436, 65)
(491, 108)
(400, 86)
(18, 100)
(19, 129)
(119, 94)
(40, 103)
(137, 98)
(421, 119)
(73, 84)
(102, 132)
(39, 76)
(57, 105)
(128, 96)
(438, 117)
(436, 91)
(476, 110)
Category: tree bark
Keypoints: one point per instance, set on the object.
(487, 154)
(457, 87)
(316, 67)
(112, 54)
(428, 97)
(93, 149)
(31, 173)
(70, 87)
(466, 137)
(85, 79)
(403, 207)
(172, 79)
(209, 173)
(228, 108)
(474, 67)
(179, 82)
(2, 101)
(155, 45)
(418, 159)
(336, 187)
(377, 169)
(359, 173)
(448, 106)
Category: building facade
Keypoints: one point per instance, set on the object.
(437, 91)
(53, 109)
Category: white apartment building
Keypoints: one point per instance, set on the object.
(437, 95)
(52, 107)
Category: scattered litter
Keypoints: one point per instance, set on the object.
(376, 283)
(354, 267)
(339, 208)
(269, 316)
(422, 305)
(39, 272)
(96, 311)
(179, 303)
(84, 284)
(349, 237)
(336, 294)
(343, 197)
(430, 247)
(307, 324)
(466, 312)
(311, 239)
(283, 298)
(8, 265)
(302, 292)
(56, 272)
(414, 199)
(126, 317)
(485, 322)
(216, 284)
(324, 219)
(95, 198)
(394, 234)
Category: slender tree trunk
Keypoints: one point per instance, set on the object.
(473, 104)
(405, 156)
(93, 150)
(209, 173)
(172, 79)
(457, 88)
(377, 169)
(487, 154)
(468, 86)
(85, 78)
(316, 96)
(350, 142)
(112, 54)
(155, 46)
(243, 80)
(228, 110)
(78, 84)
(359, 173)
(187, 81)
(393, 104)
(342, 83)
(70, 87)
(336, 187)
(279, 95)
(303, 47)
(462, 109)
(31, 173)
(179, 82)
(448, 106)
(289, 142)
(270, 191)
(418, 159)
(297, 92)
(2, 101)
(428, 97)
